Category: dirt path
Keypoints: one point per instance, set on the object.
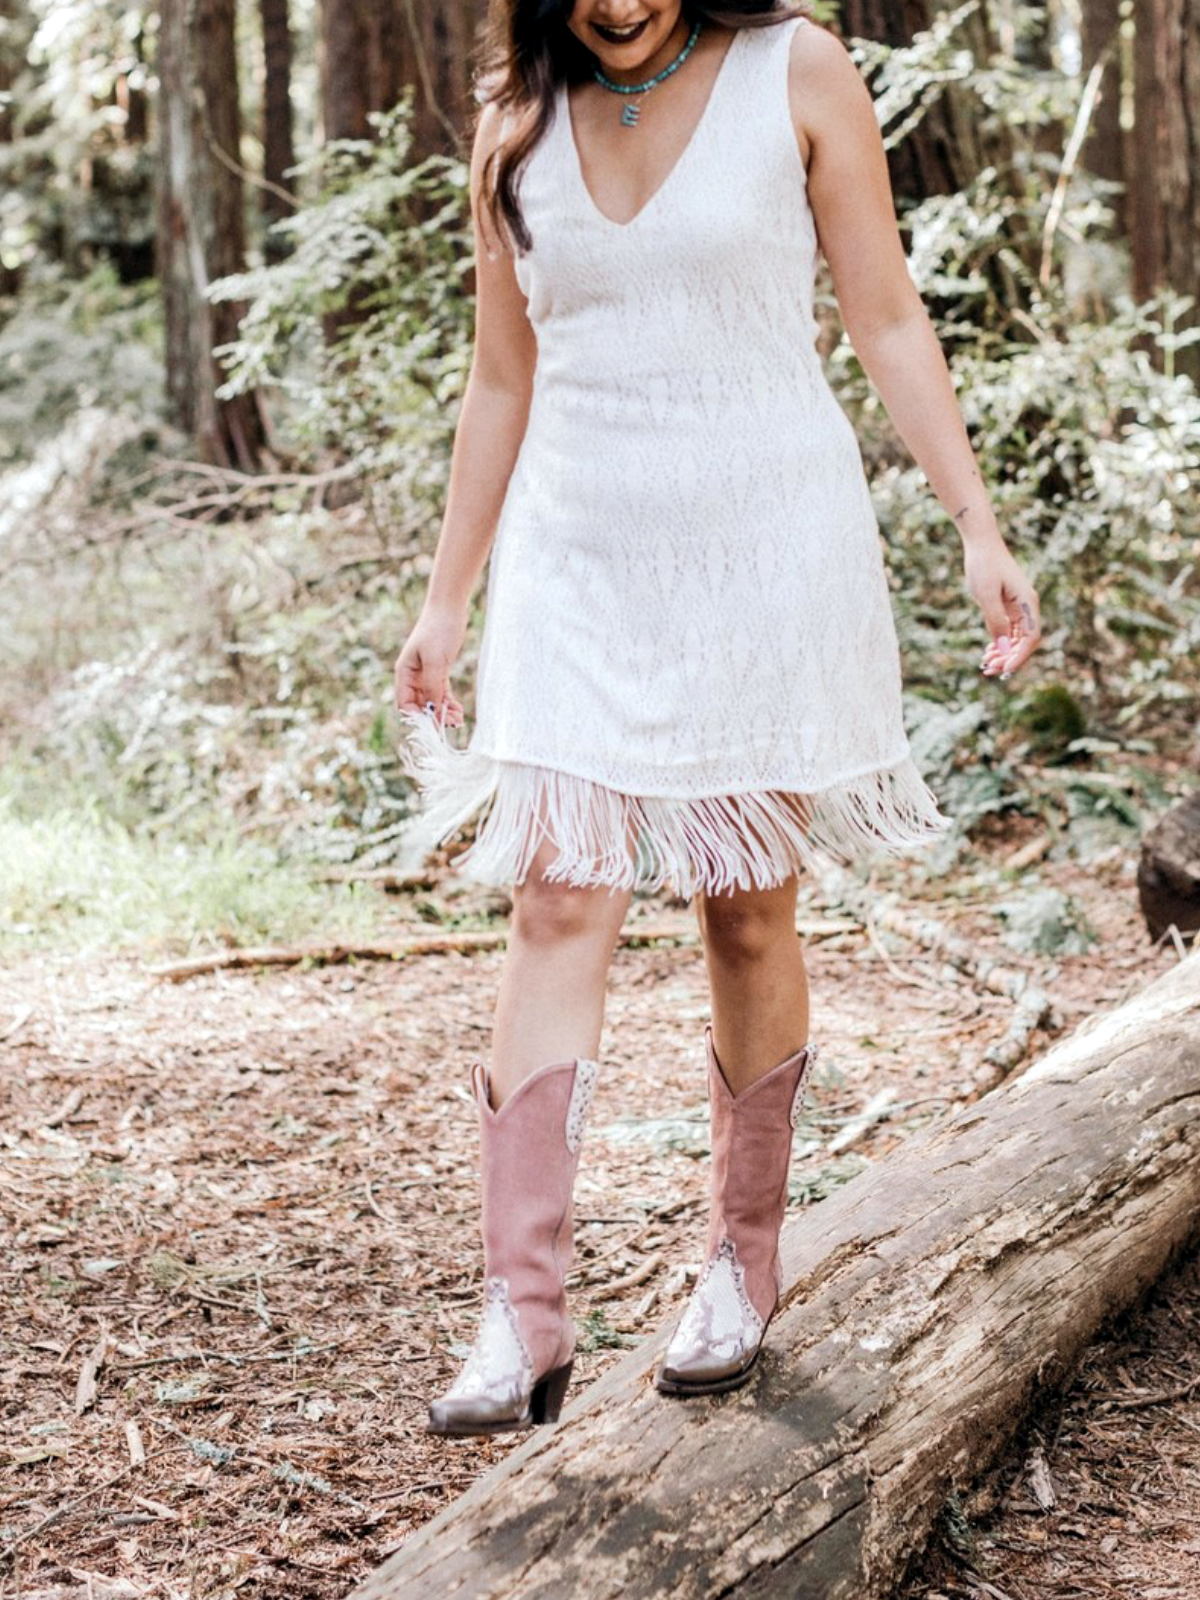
(246, 1207)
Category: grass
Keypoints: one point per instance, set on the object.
(74, 878)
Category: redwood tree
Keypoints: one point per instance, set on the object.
(437, 58)
(279, 153)
(373, 49)
(1165, 200)
(201, 234)
(1104, 152)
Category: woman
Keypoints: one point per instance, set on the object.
(689, 672)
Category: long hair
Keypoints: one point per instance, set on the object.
(529, 53)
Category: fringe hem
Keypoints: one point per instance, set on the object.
(606, 838)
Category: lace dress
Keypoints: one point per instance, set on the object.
(689, 671)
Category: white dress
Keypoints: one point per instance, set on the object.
(689, 671)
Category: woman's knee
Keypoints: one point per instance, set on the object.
(551, 913)
(743, 927)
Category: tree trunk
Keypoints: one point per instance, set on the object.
(437, 57)
(1166, 195)
(344, 104)
(201, 233)
(374, 49)
(279, 152)
(10, 65)
(925, 1305)
(361, 42)
(1104, 152)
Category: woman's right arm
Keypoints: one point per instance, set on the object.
(491, 425)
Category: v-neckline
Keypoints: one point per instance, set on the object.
(577, 161)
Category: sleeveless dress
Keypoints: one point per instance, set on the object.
(689, 671)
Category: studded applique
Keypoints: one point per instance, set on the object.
(586, 1074)
(719, 1323)
(498, 1367)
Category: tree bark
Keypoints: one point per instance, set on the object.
(373, 49)
(279, 153)
(344, 90)
(11, 53)
(1166, 194)
(1104, 152)
(925, 1305)
(437, 56)
(9, 64)
(201, 234)
(1169, 872)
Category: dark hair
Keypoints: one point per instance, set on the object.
(530, 52)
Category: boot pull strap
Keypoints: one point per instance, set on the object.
(586, 1073)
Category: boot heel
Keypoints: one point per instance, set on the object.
(546, 1401)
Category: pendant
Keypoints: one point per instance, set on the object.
(630, 112)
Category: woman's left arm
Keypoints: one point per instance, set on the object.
(851, 198)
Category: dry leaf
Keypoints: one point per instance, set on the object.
(66, 1110)
(1037, 1469)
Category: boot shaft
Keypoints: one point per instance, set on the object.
(529, 1153)
(751, 1153)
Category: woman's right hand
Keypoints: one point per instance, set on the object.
(423, 665)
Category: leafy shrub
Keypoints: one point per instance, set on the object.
(363, 330)
(73, 345)
(1089, 442)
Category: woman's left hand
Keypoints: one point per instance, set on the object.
(1009, 604)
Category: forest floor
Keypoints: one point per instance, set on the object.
(244, 1214)
(1100, 1499)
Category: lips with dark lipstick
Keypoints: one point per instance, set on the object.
(622, 35)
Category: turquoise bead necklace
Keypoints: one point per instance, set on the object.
(632, 110)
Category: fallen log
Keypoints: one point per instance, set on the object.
(925, 1305)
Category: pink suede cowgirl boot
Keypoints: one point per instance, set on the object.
(520, 1363)
(716, 1343)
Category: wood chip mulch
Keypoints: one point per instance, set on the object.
(241, 1249)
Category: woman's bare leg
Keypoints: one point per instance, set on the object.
(757, 979)
(549, 1011)
(553, 984)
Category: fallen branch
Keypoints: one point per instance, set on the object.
(1034, 1008)
(327, 955)
(330, 955)
(632, 1279)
